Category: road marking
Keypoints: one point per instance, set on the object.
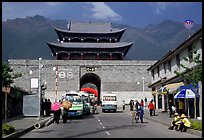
(104, 127)
(107, 133)
(101, 123)
(99, 120)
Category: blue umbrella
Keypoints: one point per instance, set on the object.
(185, 93)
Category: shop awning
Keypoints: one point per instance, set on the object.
(186, 93)
(172, 88)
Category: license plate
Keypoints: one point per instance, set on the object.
(72, 113)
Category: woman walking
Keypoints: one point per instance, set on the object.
(151, 107)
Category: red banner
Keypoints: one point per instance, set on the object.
(91, 90)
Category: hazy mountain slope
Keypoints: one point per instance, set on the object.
(26, 38)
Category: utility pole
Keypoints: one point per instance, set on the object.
(39, 86)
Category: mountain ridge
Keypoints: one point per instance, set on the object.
(25, 38)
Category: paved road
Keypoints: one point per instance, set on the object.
(106, 125)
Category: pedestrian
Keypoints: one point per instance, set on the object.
(48, 107)
(137, 104)
(175, 122)
(181, 107)
(123, 105)
(185, 123)
(170, 108)
(142, 104)
(137, 111)
(151, 107)
(56, 112)
(173, 108)
(66, 105)
(43, 107)
(131, 104)
(154, 107)
(141, 114)
(56, 117)
(145, 101)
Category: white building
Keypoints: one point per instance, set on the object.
(162, 72)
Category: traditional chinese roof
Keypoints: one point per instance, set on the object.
(93, 47)
(90, 27)
(89, 30)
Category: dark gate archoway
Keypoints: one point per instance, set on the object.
(91, 78)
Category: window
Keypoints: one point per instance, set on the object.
(164, 64)
(153, 74)
(169, 65)
(178, 60)
(158, 71)
(190, 53)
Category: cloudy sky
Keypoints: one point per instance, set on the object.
(138, 14)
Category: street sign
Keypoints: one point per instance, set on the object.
(6, 89)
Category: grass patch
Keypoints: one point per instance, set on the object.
(7, 129)
(196, 125)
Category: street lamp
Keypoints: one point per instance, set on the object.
(56, 77)
(143, 84)
(39, 86)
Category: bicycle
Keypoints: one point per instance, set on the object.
(135, 116)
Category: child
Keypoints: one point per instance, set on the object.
(185, 123)
(175, 121)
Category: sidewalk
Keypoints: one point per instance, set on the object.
(26, 124)
(163, 118)
(22, 125)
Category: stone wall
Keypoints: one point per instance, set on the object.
(122, 77)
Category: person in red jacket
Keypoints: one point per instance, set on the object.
(151, 107)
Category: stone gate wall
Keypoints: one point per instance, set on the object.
(123, 77)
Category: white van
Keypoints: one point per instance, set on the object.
(109, 102)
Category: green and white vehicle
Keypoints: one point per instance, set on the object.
(77, 104)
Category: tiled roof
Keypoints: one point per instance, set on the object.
(91, 45)
(90, 27)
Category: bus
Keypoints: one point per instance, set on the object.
(77, 103)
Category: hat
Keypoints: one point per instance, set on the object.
(176, 114)
(183, 116)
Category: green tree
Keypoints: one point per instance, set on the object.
(194, 74)
(7, 75)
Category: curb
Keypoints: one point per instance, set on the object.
(24, 131)
(20, 133)
(191, 131)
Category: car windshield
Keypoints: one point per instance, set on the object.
(109, 98)
(72, 99)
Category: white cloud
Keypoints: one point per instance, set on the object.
(103, 11)
(162, 6)
(53, 3)
(159, 6)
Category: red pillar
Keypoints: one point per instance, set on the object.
(122, 56)
(68, 56)
(97, 56)
(81, 56)
(56, 57)
(110, 56)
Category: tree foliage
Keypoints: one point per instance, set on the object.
(194, 74)
(7, 75)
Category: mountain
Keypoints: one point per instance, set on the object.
(25, 38)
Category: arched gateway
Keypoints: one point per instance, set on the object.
(91, 79)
